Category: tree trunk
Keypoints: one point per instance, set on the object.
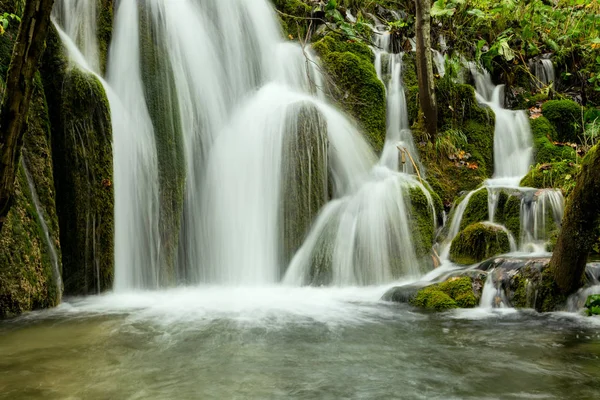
(582, 216)
(27, 51)
(425, 67)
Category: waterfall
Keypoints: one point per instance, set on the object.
(543, 70)
(512, 134)
(388, 66)
(228, 162)
(454, 229)
(79, 20)
(538, 212)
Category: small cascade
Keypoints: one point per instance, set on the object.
(454, 230)
(79, 20)
(541, 213)
(512, 134)
(47, 238)
(489, 294)
(440, 62)
(362, 239)
(399, 152)
(543, 70)
(511, 238)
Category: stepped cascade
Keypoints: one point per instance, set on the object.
(226, 155)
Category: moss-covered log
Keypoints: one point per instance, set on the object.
(582, 216)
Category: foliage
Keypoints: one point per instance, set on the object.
(5, 19)
(592, 305)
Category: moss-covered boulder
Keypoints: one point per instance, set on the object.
(477, 209)
(544, 149)
(525, 283)
(81, 138)
(555, 175)
(357, 89)
(479, 242)
(565, 116)
(456, 292)
(422, 219)
(305, 176)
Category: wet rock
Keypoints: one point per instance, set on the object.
(478, 242)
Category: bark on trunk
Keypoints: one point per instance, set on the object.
(582, 216)
(27, 51)
(425, 67)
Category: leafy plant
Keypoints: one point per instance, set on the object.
(5, 19)
(592, 305)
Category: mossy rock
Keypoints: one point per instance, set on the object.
(357, 89)
(477, 210)
(544, 150)
(456, 292)
(565, 116)
(305, 176)
(293, 23)
(479, 242)
(509, 215)
(421, 218)
(83, 170)
(555, 175)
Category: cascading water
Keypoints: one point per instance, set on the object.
(543, 70)
(79, 20)
(388, 66)
(540, 211)
(223, 159)
(512, 133)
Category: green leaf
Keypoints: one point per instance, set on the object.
(439, 9)
(331, 5)
(476, 12)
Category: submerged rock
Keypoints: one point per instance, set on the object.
(478, 242)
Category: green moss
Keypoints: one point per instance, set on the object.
(294, 23)
(27, 277)
(163, 107)
(565, 116)
(477, 210)
(544, 150)
(82, 156)
(479, 242)
(453, 293)
(457, 111)
(422, 222)
(104, 30)
(358, 90)
(557, 175)
(305, 177)
(510, 216)
(26, 273)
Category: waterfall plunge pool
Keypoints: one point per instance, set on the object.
(292, 343)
